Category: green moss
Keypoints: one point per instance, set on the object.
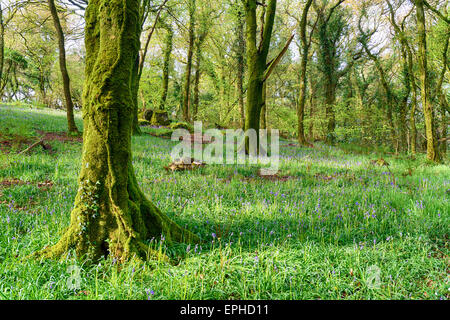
(143, 122)
(111, 215)
(182, 125)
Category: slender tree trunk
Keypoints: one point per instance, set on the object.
(443, 99)
(388, 92)
(196, 85)
(72, 128)
(409, 82)
(312, 98)
(140, 61)
(263, 119)
(198, 72)
(135, 85)
(187, 81)
(257, 63)
(432, 150)
(112, 216)
(404, 104)
(303, 74)
(412, 116)
(240, 71)
(329, 72)
(2, 50)
(166, 67)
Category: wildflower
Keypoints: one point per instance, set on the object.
(149, 293)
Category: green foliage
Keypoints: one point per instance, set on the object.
(314, 236)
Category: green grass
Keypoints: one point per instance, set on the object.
(314, 236)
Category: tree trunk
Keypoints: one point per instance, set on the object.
(240, 71)
(166, 67)
(196, 85)
(135, 85)
(2, 50)
(443, 99)
(303, 74)
(187, 81)
(432, 151)
(409, 82)
(257, 63)
(388, 92)
(72, 128)
(263, 119)
(404, 104)
(111, 216)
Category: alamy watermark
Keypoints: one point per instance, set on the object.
(74, 281)
(228, 147)
(373, 277)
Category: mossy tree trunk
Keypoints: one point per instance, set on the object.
(263, 120)
(197, 76)
(303, 75)
(200, 39)
(71, 126)
(257, 61)
(432, 150)
(111, 216)
(168, 46)
(443, 99)
(135, 85)
(240, 64)
(2, 50)
(329, 34)
(408, 80)
(188, 75)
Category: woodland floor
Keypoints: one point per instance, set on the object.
(334, 224)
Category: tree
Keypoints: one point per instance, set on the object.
(409, 79)
(188, 75)
(430, 130)
(71, 126)
(6, 15)
(111, 216)
(144, 10)
(203, 29)
(167, 51)
(364, 40)
(330, 29)
(305, 45)
(257, 61)
(240, 51)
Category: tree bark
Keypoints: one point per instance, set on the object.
(409, 83)
(166, 67)
(303, 75)
(140, 60)
(387, 90)
(187, 81)
(112, 216)
(432, 150)
(2, 50)
(240, 65)
(197, 85)
(443, 99)
(71, 126)
(263, 119)
(257, 63)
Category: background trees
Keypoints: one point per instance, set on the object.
(373, 72)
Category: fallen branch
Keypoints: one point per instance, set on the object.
(34, 145)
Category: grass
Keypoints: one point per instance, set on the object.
(340, 227)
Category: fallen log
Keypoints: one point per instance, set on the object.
(34, 145)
